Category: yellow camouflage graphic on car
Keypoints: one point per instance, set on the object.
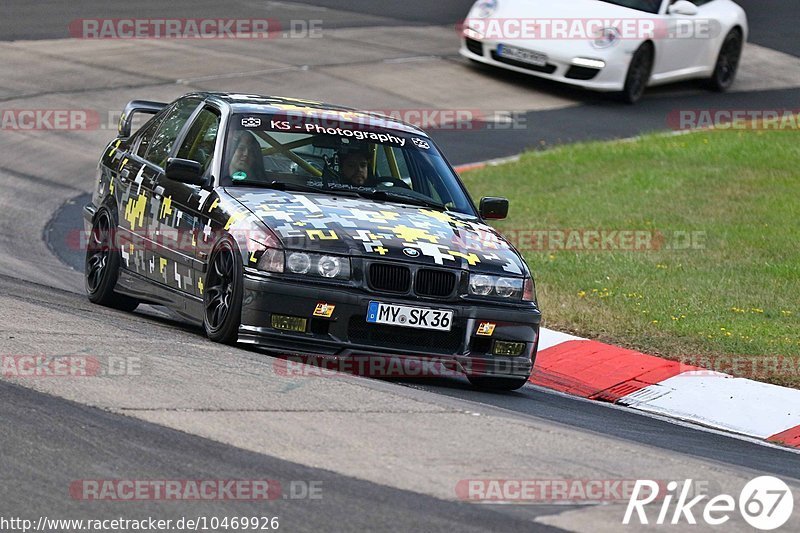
(445, 238)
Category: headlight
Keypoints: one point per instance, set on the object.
(485, 8)
(505, 287)
(480, 285)
(474, 27)
(496, 286)
(326, 266)
(298, 263)
(605, 38)
(271, 261)
(329, 266)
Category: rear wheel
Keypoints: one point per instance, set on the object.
(638, 76)
(727, 62)
(102, 264)
(222, 299)
(497, 384)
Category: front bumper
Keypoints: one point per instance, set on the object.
(346, 334)
(560, 65)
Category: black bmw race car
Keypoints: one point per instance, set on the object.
(308, 228)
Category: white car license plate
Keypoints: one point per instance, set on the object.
(521, 54)
(409, 317)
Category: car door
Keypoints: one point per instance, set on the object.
(135, 183)
(715, 12)
(685, 43)
(161, 247)
(182, 204)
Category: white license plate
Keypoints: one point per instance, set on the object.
(521, 54)
(409, 317)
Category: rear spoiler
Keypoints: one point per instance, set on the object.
(133, 107)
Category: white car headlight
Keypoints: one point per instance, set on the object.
(485, 8)
(605, 38)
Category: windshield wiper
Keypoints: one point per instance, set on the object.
(296, 187)
(402, 198)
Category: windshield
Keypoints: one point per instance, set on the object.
(336, 157)
(648, 6)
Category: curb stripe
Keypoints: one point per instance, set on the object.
(473, 166)
(790, 437)
(599, 371)
(603, 372)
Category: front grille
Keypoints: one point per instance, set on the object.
(389, 278)
(547, 69)
(400, 338)
(476, 47)
(435, 282)
(581, 73)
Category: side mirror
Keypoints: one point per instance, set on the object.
(683, 7)
(494, 208)
(185, 171)
(133, 107)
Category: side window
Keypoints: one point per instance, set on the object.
(171, 126)
(698, 3)
(147, 135)
(201, 138)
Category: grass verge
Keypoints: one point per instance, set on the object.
(711, 274)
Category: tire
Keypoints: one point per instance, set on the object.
(638, 75)
(727, 62)
(101, 270)
(497, 384)
(222, 298)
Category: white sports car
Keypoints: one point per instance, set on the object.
(609, 45)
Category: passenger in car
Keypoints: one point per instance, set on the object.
(246, 163)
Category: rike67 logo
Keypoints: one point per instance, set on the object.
(766, 503)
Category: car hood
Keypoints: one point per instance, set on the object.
(380, 230)
(579, 9)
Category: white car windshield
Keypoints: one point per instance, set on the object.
(648, 6)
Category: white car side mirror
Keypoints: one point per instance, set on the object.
(683, 7)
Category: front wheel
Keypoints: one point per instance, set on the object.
(222, 299)
(492, 383)
(727, 62)
(102, 264)
(638, 74)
